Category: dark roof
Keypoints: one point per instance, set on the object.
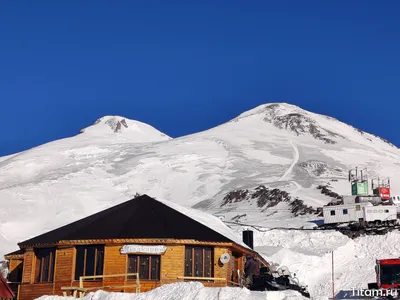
(5, 289)
(141, 217)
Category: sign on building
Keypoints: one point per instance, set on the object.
(159, 249)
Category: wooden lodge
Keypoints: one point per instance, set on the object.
(135, 246)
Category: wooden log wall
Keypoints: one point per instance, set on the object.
(173, 263)
(27, 275)
(172, 267)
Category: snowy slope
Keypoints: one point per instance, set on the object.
(278, 146)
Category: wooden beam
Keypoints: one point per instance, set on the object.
(18, 256)
(202, 278)
(143, 241)
(82, 278)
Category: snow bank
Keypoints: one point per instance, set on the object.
(309, 255)
(189, 291)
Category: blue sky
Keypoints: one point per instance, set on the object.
(186, 66)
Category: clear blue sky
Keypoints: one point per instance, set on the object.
(186, 66)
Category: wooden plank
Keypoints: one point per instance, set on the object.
(172, 262)
(114, 263)
(33, 291)
(16, 256)
(28, 266)
(143, 241)
(201, 278)
(220, 270)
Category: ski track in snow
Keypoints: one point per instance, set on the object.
(296, 157)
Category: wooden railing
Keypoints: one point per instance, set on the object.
(234, 283)
(228, 282)
(202, 278)
(82, 290)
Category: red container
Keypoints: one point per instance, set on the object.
(384, 192)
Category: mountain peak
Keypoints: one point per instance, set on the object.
(121, 126)
(291, 118)
(275, 107)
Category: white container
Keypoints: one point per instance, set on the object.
(344, 213)
(381, 213)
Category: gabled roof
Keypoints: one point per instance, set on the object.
(142, 217)
(5, 289)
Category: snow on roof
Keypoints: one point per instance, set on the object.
(206, 219)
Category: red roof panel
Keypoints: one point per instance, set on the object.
(5, 289)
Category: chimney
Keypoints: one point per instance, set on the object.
(248, 238)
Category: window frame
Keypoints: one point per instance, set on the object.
(98, 249)
(138, 265)
(192, 257)
(333, 213)
(40, 262)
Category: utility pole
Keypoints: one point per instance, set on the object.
(333, 279)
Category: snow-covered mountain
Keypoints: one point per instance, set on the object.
(278, 146)
(268, 166)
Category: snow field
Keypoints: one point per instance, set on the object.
(189, 291)
(309, 255)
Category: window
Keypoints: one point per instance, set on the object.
(389, 274)
(386, 210)
(89, 261)
(199, 261)
(358, 207)
(345, 212)
(332, 212)
(45, 264)
(148, 266)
